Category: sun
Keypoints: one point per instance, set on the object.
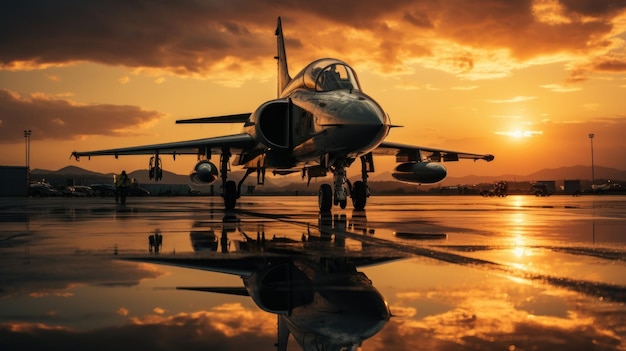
(520, 134)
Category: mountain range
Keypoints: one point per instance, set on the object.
(578, 172)
(82, 176)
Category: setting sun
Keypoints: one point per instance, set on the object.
(518, 134)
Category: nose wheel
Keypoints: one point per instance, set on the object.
(337, 194)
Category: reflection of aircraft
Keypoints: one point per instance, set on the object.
(203, 237)
(250, 236)
(314, 288)
(325, 303)
(321, 122)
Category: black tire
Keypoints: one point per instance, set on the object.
(230, 195)
(325, 198)
(359, 196)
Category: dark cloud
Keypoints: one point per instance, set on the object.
(601, 8)
(184, 37)
(419, 19)
(349, 13)
(63, 120)
(179, 36)
(610, 64)
(192, 37)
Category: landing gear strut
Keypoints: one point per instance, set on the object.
(359, 191)
(231, 191)
(339, 179)
(229, 188)
(337, 194)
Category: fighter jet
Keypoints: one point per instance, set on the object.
(320, 123)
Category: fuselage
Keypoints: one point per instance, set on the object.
(346, 123)
(321, 114)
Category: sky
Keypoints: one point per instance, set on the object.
(527, 81)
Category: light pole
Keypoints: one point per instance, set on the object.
(27, 134)
(593, 177)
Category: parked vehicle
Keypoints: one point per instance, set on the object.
(104, 189)
(84, 190)
(42, 190)
(500, 189)
(138, 191)
(110, 190)
(540, 189)
(70, 191)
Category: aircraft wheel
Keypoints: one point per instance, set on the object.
(359, 195)
(325, 198)
(230, 195)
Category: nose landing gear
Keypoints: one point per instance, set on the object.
(338, 194)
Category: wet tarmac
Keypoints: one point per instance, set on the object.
(455, 272)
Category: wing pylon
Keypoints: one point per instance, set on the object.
(414, 153)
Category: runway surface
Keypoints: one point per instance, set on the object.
(468, 273)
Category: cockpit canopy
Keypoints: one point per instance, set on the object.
(324, 75)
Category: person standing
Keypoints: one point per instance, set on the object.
(122, 183)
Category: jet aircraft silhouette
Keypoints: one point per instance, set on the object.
(321, 123)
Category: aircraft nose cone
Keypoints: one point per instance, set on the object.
(364, 112)
(364, 122)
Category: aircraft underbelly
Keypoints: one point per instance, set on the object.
(312, 150)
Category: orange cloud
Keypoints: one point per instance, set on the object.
(227, 327)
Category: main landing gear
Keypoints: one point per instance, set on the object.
(229, 187)
(231, 191)
(359, 191)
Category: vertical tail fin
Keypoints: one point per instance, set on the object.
(283, 71)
